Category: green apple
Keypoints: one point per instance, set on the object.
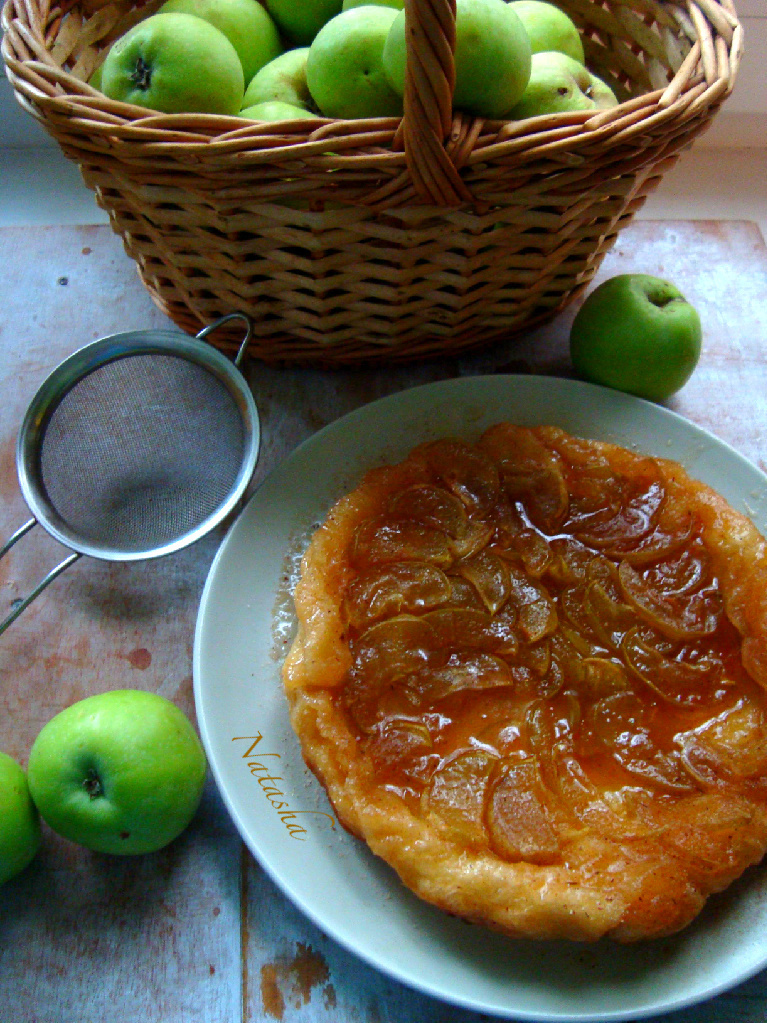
(549, 28)
(492, 57)
(19, 820)
(559, 84)
(397, 4)
(121, 772)
(95, 78)
(276, 110)
(636, 333)
(175, 63)
(301, 20)
(282, 79)
(344, 69)
(246, 24)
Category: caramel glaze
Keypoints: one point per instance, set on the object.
(539, 643)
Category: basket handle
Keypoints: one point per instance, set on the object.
(428, 101)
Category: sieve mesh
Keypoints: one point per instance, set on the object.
(141, 451)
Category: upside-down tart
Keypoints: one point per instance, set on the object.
(530, 673)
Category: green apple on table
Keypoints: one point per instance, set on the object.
(492, 57)
(276, 110)
(558, 84)
(175, 63)
(549, 28)
(246, 24)
(301, 20)
(344, 68)
(636, 333)
(19, 820)
(282, 79)
(121, 772)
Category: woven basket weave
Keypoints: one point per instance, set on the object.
(386, 239)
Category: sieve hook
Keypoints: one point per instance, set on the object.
(226, 319)
(77, 368)
(53, 574)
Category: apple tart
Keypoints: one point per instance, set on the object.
(530, 673)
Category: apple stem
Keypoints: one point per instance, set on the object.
(142, 74)
(92, 784)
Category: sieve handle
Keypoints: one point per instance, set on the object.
(225, 319)
(53, 574)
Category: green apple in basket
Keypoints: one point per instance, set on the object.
(175, 63)
(276, 110)
(549, 28)
(397, 4)
(300, 20)
(344, 67)
(636, 333)
(282, 80)
(121, 772)
(492, 57)
(246, 24)
(559, 84)
(19, 820)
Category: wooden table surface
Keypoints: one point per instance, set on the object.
(197, 932)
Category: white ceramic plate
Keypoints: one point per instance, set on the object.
(282, 813)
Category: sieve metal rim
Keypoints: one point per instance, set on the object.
(79, 365)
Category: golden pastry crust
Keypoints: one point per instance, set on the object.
(530, 674)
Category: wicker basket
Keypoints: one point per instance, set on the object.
(387, 239)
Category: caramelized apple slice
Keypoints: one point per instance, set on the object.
(596, 493)
(489, 575)
(465, 471)
(605, 812)
(569, 661)
(436, 508)
(431, 506)
(369, 701)
(679, 616)
(569, 562)
(576, 623)
(456, 795)
(688, 572)
(464, 670)
(379, 541)
(535, 671)
(388, 590)
(731, 745)
(609, 619)
(635, 518)
(394, 649)
(534, 552)
(619, 724)
(398, 749)
(680, 683)
(530, 473)
(661, 543)
(520, 821)
(515, 539)
(536, 613)
(602, 677)
(472, 628)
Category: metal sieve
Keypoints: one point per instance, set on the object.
(136, 446)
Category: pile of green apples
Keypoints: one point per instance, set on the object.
(285, 60)
(121, 772)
